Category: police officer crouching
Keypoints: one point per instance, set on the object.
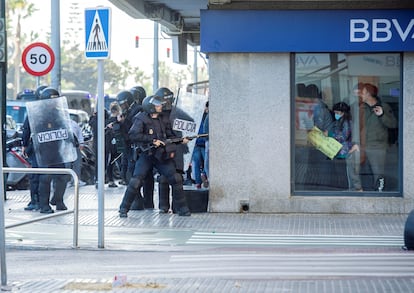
(149, 133)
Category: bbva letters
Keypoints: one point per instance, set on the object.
(380, 30)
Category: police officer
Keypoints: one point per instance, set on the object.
(28, 151)
(129, 107)
(45, 179)
(93, 123)
(114, 142)
(149, 129)
(126, 101)
(140, 94)
(168, 116)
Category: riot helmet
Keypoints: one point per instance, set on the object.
(168, 97)
(39, 90)
(139, 94)
(125, 99)
(149, 103)
(49, 93)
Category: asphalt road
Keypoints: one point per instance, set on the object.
(205, 252)
(216, 269)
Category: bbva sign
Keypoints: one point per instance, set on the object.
(379, 30)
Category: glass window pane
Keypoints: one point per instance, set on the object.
(346, 133)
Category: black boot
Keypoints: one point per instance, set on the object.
(180, 201)
(164, 196)
(44, 204)
(184, 211)
(132, 190)
(44, 194)
(59, 191)
(33, 204)
(148, 192)
(138, 203)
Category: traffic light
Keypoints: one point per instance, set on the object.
(2, 41)
(136, 41)
(168, 52)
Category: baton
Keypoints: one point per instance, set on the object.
(116, 159)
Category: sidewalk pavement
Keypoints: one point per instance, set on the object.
(150, 231)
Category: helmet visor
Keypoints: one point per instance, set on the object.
(156, 101)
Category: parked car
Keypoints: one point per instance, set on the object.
(16, 109)
(79, 116)
(79, 100)
(27, 95)
(11, 127)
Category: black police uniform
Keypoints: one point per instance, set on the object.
(142, 133)
(93, 123)
(44, 186)
(129, 163)
(31, 157)
(127, 153)
(169, 116)
(49, 153)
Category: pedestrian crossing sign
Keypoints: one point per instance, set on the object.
(97, 32)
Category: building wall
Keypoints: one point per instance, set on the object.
(250, 150)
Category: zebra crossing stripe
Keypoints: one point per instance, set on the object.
(207, 238)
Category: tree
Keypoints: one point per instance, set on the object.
(170, 78)
(16, 11)
(77, 72)
(82, 74)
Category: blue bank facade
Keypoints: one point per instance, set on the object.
(272, 73)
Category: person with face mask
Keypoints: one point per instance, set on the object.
(341, 130)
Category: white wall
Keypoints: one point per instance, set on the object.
(250, 152)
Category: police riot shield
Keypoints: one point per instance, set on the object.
(187, 115)
(51, 132)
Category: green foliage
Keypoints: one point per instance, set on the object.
(82, 74)
(77, 72)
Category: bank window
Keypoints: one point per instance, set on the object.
(346, 124)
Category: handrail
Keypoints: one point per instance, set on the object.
(75, 210)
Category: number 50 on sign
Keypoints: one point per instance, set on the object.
(38, 59)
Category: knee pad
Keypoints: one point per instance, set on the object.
(135, 182)
(177, 179)
(162, 179)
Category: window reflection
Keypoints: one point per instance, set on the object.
(346, 123)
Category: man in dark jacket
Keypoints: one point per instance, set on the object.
(378, 118)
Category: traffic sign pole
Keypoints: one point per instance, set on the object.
(101, 155)
(3, 69)
(97, 46)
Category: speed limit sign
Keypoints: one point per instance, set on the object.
(38, 59)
